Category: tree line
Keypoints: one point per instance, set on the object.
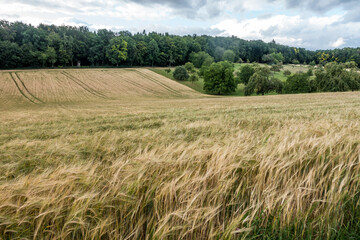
(23, 45)
(219, 78)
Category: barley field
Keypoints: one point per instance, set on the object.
(129, 154)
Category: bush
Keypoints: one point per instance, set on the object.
(168, 70)
(287, 73)
(310, 72)
(181, 73)
(297, 83)
(276, 68)
(190, 67)
(276, 85)
(312, 63)
(219, 78)
(240, 60)
(194, 78)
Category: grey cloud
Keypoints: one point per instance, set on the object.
(187, 8)
(321, 6)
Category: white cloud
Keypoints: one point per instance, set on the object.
(338, 43)
(248, 19)
(314, 32)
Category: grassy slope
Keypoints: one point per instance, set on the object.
(198, 85)
(282, 166)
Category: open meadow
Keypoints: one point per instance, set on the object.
(130, 154)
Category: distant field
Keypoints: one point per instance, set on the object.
(68, 86)
(130, 154)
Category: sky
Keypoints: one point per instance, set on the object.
(311, 24)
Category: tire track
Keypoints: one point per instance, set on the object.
(160, 83)
(138, 85)
(26, 89)
(21, 91)
(84, 86)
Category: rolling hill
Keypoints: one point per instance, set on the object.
(67, 86)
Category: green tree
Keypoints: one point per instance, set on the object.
(297, 83)
(190, 67)
(43, 57)
(153, 51)
(219, 79)
(277, 85)
(116, 51)
(51, 55)
(229, 55)
(218, 54)
(273, 58)
(199, 58)
(245, 73)
(259, 82)
(194, 77)
(181, 73)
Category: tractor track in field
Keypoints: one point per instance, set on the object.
(159, 83)
(84, 85)
(138, 85)
(25, 91)
(32, 95)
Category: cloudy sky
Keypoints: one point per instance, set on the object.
(312, 24)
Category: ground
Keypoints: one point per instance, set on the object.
(115, 154)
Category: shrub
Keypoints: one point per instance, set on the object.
(312, 63)
(168, 70)
(190, 67)
(276, 68)
(194, 78)
(287, 73)
(310, 72)
(276, 85)
(181, 73)
(297, 83)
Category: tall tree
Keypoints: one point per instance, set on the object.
(116, 51)
(153, 51)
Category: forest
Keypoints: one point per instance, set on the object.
(26, 46)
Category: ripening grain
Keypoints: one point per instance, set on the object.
(80, 166)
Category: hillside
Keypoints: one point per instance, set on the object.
(68, 86)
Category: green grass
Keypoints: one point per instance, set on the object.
(197, 86)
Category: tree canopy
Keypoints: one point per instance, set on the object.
(23, 45)
(219, 78)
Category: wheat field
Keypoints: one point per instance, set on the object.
(128, 154)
